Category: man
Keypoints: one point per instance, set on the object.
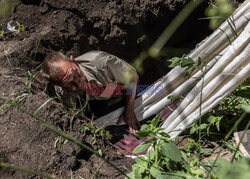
(96, 73)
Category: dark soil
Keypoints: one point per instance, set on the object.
(122, 27)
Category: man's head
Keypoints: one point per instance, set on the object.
(64, 72)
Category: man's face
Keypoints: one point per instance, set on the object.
(71, 77)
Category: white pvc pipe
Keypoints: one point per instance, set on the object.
(213, 101)
(187, 104)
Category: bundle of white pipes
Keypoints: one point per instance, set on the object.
(225, 57)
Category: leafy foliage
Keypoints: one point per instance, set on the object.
(218, 12)
(96, 132)
(165, 159)
(211, 122)
(239, 169)
(1, 33)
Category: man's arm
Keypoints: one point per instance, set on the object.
(129, 116)
(124, 73)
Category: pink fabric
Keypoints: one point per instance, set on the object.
(129, 143)
(126, 145)
(169, 109)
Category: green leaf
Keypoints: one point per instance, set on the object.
(141, 161)
(150, 154)
(239, 169)
(245, 107)
(208, 129)
(197, 171)
(218, 125)
(155, 121)
(154, 171)
(164, 134)
(138, 170)
(175, 62)
(192, 130)
(171, 151)
(203, 126)
(205, 151)
(145, 127)
(142, 147)
(184, 156)
(191, 140)
(108, 135)
(211, 119)
(143, 134)
(156, 130)
(187, 62)
(166, 176)
(131, 176)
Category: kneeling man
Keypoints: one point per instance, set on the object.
(101, 75)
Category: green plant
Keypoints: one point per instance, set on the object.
(164, 155)
(232, 103)
(96, 133)
(188, 64)
(60, 140)
(2, 32)
(173, 98)
(30, 79)
(239, 169)
(5, 105)
(20, 28)
(218, 11)
(165, 160)
(211, 121)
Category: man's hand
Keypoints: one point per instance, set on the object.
(129, 118)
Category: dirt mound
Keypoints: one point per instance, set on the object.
(122, 27)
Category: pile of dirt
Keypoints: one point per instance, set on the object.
(120, 27)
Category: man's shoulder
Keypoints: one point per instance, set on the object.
(93, 55)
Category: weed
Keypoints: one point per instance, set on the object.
(5, 105)
(60, 140)
(29, 81)
(164, 156)
(206, 126)
(173, 98)
(96, 133)
(164, 159)
(20, 28)
(219, 11)
(2, 32)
